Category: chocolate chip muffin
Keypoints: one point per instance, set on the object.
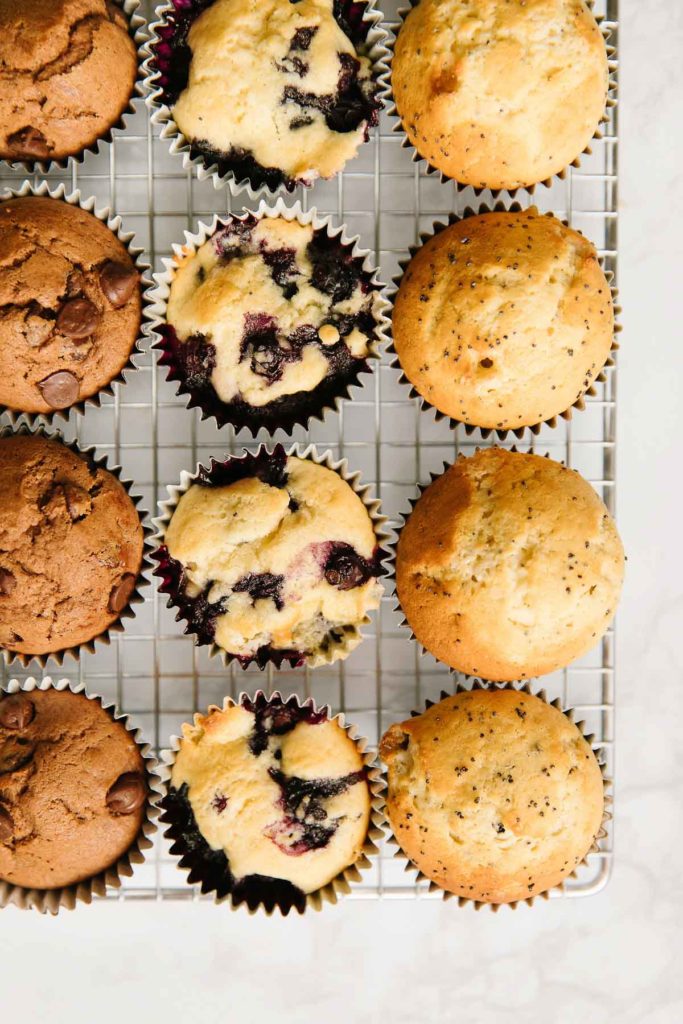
(268, 801)
(275, 92)
(493, 794)
(268, 322)
(272, 558)
(73, 789)
(67, 72)
(509, 566)
(70, 305)
(504, 320)
(500, 95)
(70, 546)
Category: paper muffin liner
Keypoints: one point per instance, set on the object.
(89, 454)
(426, 406)
(220, 411)
(115, 225)
(352, 635)
(191, 862)
(398, 128)
(138, 33)
(411, 867)
(375, 48)
(51, 901)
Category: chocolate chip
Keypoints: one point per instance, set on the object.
(78, 501)
(120, 593)
(78, 318)
(16, 711)
(15, 753)
(6, 825)
(60, 389)
(118, 281)
(127, 794)
(29, 142)
(7, 582)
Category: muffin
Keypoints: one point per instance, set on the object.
(504, 320)
(73, 789)
(272, 558)
(70, 305)
(67, 73)
(274, 92)
(509, 566)
(268, 322)
(70, 546)
(500, 96)
(268, 801)
(494, 795)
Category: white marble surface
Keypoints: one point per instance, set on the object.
(608, 958)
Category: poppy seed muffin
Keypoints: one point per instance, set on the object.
(493, 794)
(267, 801)
(70, 546)
(509, 566)
(67, 72)
(70, 304)
(272, 558)
(504, 320)
(500, 95)
(73, 788)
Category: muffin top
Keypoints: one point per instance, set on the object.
(509, 566)
(493, 794)
(275, 90)
(283, 559)
(69, 304)
(73, 789)
(67, 71)
(280, 790)
(504, 320)
(70, 546)
(500, 95)
(269, 319)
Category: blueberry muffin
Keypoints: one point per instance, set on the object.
(73, 789)
(500, 96)
(70, 305)
(275, 92)
(67, 73)
(268, 801)
(70, 547)
(493, 794)
(269, 322)
(272, 558)
(509, 566)
(504, 320)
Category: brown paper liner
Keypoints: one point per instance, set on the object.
(51, 901)
(192, 863)
(101, 462)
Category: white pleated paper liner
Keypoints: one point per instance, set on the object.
(398, 128)
(191, 859)
(90, 456)
(115, 225)
(298, 409)
(425, 405)
(462, 901)
(345, 639)
(138, 32)
(207, 167)
(66, 897)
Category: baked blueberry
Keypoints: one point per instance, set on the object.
(268, 322)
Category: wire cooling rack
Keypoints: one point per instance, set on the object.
(155, 673)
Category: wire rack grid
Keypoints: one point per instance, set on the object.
(152, 670)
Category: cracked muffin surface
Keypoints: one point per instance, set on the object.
(509, 566)
(67, 72)
(71, 546)
(70, 304)
(73, 789)
(493, 794)
(504, 320)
